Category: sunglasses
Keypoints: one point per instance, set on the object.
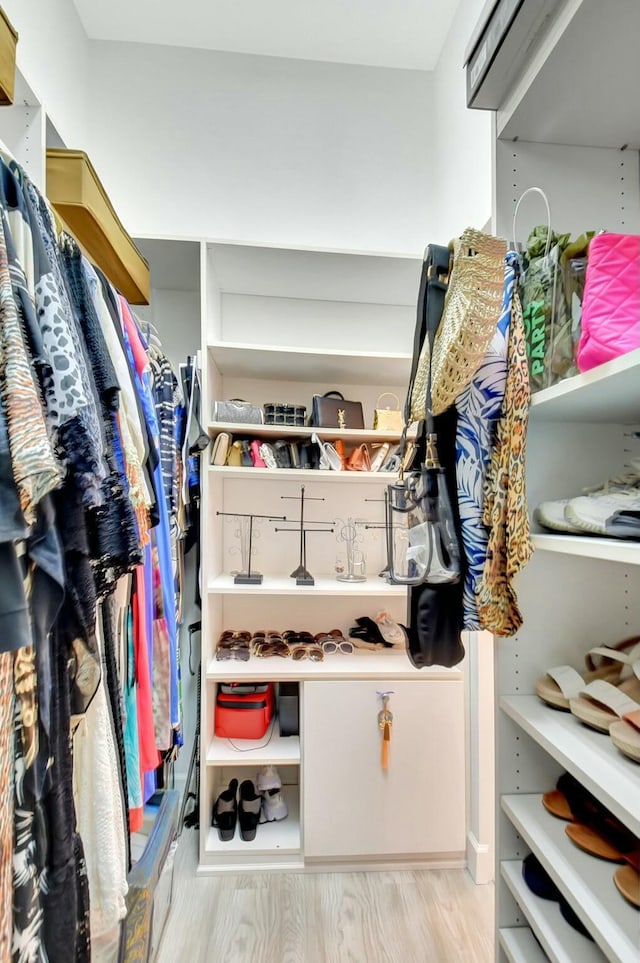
(239, 652)
(265, 649)
(312, 652)
(337, 645)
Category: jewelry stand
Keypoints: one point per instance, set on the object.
(348, 534)
(301, 573)
(376, 526)
(245, 535)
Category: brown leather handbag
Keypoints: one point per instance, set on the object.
(332, 411)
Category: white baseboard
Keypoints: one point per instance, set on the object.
(479, 860)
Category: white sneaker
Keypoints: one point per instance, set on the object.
(612, 513)
(552, 514)
(268, 778)
(274, 808)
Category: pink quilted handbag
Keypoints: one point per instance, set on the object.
(611, 303)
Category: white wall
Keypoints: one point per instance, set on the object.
(200, 143)
(462, 167)
(53, 55)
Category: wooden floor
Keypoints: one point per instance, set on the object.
(431, 916)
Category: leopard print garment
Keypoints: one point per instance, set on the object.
(6, 803)
(35, 468)
(505, 504)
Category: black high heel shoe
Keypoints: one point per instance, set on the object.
(225, 812)
(249, 810)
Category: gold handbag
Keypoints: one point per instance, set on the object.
(472, 308)
(388, 419)
(234, 455)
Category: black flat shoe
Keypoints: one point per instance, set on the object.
(225, 812)
(249, 810)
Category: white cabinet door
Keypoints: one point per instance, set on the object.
(352, 807)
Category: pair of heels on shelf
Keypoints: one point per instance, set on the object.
(257, 803)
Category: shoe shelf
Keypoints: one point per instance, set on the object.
(588, 755)
(355, 436)
(272, 362)
(361, 665)
(607, 549)
(606, 394)
(275, 751)
(277, 839)
(520, 946)
(283, 585)
(585, 881)
(305, 475)
(560, 941)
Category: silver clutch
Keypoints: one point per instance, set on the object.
(237, 412)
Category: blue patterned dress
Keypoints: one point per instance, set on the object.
(479, 408)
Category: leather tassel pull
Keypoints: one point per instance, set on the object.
(385, 723)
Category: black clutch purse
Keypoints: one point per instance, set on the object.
(331, 410)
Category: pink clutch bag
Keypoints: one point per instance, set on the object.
(611, 303)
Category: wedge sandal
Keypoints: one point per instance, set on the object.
(625, 734)
(562, 683)
(600, 703)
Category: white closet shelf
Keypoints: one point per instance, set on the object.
(579, 34)
(585, 881)
(607, 549)
(362, 665)
(608, 393)
(519, 945)
(272, 839)
(285, 363)
(276, 751)
(588, 755)
(560, 941)
(304, 475)
(356, 436)
(283, 585)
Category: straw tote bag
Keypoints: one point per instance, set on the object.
(471, 311)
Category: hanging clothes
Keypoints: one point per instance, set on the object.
(479, 408)
(88, 494)
(505, 507)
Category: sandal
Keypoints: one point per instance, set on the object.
(599, 704)
(562, 683)
(625, 734)
(627, 879)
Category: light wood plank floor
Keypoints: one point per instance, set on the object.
(431, 916)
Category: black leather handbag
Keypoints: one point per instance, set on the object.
(331, 410)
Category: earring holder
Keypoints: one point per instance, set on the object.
(250, 577)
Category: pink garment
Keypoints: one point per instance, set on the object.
(611, 303)
(140, 356)
(149, 755)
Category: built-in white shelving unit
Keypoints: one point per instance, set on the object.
(577, 592)
(280, 325)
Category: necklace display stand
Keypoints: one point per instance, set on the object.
(245, 534)
(301, 574)
(355, 568)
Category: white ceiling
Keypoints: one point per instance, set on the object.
(407, 34)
